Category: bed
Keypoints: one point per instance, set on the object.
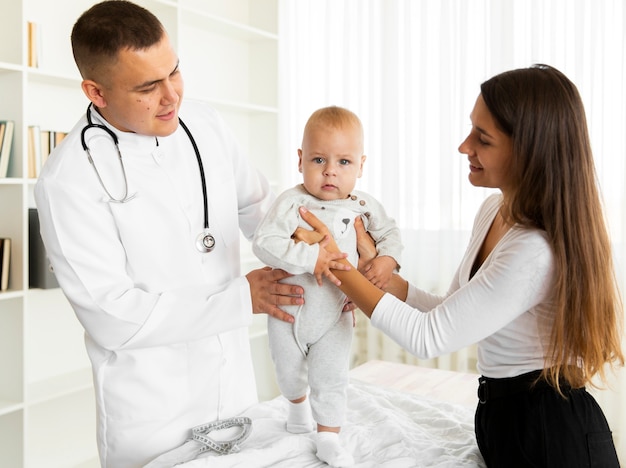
(398, 416)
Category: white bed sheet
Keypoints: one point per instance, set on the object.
(384, 428)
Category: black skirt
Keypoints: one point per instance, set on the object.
(520, 422)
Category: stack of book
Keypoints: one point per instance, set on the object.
(40, 145)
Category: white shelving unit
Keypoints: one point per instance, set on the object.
(229, 57)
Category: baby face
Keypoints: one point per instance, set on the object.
(331, 160)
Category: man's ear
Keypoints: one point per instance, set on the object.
(93, 91)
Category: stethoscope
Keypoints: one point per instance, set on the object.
(205, 242)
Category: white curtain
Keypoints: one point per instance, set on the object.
(411, 69)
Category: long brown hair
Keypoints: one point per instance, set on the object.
(555, 189)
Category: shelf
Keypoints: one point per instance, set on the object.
(198, 18)
(59, 386)
(6, 67)
(245, 14)
(75, 444)
(11, 33)
(11, 353)
(11, 181)
(11, 439)
(55, 362)
(36, 75)
(246, 81)
(229, 58)
(8, 407)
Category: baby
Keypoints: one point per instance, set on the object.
(313, 352)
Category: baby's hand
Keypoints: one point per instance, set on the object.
(379, 270)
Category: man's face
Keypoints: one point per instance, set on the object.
(143, 90)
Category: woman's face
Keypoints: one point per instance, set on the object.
(489, 150)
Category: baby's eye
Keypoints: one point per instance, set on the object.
(344, 162)
(318, 160)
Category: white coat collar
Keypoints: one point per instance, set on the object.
(128, 141)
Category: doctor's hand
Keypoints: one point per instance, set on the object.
(268, 294)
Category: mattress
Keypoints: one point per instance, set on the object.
(384, 428)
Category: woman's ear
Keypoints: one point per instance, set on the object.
(93, 91)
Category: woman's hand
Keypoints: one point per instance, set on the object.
(364, 243)
(320, 230)
(354, 285)
(314, 237)
(328, 260)
(307, 236)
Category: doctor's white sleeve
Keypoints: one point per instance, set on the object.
(90, 264)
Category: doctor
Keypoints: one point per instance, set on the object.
(145, 242)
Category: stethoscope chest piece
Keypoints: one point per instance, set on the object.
(205, 242)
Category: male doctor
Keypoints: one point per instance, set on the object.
(164, 307)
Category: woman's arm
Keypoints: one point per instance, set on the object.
(358, 288)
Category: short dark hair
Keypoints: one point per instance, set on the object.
(108, 27)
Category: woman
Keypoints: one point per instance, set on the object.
(535, 289)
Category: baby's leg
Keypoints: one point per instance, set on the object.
(291, 375)
(299, 418)
(330, 450)
(328, 377)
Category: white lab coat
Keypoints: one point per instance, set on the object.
(166, 326)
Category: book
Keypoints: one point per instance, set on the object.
(45, 145)
(40, 272)
(34, 151)
(58, 137)
(5, 262)
(6, 146)
(3, 128)
(49, 140)
(33, 44)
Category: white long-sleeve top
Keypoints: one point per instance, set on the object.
(165, 325)
(505, 307)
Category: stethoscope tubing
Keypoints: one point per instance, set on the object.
(202, 177)
(205, 241)
(83, 142)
